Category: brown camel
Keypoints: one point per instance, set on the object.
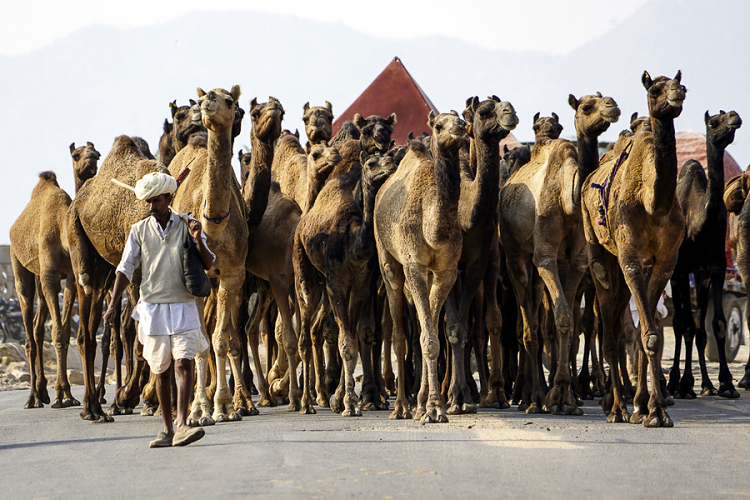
(419, 244)
(186, 121)
(98, 223)
(488, 122)
(634, 227)
(40, 256)
(318, 124)
(333, 244)
(301, 175)
(546, 127)
(540, 230)
(374, 137)
(703, 253)
(211, 191)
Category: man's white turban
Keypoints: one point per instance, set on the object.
(154, 184)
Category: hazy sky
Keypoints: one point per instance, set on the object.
(551, 26)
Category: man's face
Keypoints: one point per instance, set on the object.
(159, 205)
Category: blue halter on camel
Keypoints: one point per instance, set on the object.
(605, 187)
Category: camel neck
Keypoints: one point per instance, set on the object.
(365, 240)
(487, 179)
(660, 188)
(258, 182)
(715, 168)
(441, 202)
(217, 181)
(588, 161)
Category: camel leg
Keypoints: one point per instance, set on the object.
(560, 398)
(348, 351)
(287, 341)
(62, 387)
(496, 397)
(309, 296)
(326, 356)
(388, 375)
(646, 293)
(26, 290)
(393, 276)
(366, 336)
(683, 325)
(128, 395)
(48, 288)
(252, 331)
(429, 302)
(719, 324)
(201, 409)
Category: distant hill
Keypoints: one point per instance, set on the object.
(100, 82)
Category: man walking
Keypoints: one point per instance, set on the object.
(169, 325)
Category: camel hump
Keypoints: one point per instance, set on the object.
(735, 192)
(692, 168)
(49, 176)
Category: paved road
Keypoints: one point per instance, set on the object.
(48, 453)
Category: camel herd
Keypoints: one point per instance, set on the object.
(352, 249)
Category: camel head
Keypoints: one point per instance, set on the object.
(665, 96)
(266, 119)
(322, 160)
(186, 121)
(639, 123)
(245, 160)
(375, 132)
(490, 118)
(85, 160)
(547, 126)
(448, 132)
(217, 108)
(239, 114)
(720, 128)
(377, 168)
(318, 122)
(516, 157)
(594, 113)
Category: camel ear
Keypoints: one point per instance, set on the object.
(431, 119)
(72, 147)
(296, 133)
(573, 101)
(410, 136)
(329, 106)
(359, 121)
(90, 144)
(305, 108)
(505, 149)
(173, 104)
(495, 98)
(536, 116)
(392, 119)
(201, 93)
(678, 76)
(634, 117)
(253, 103)
(235, 92)
(707, 117)
(557, 118)
(599, 94)
(646, 80)
(453, 112)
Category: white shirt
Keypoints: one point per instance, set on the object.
(159, 319)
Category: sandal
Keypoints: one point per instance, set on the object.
(163, 440)
(187, 435)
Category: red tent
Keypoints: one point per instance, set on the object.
(393, 91)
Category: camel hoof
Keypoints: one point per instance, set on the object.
(554, 409)
(709, 391)
(454, 410)
(522, 406)
(400, 413)
(305, 410)
(533, 409)
(669, 400)
(235, 417)
(322, 401)
(336, 404)
(744, 383)
(248, 412)
(265, 402)
(655, 420)
(469, 408)
(351, 412)
(148, 411)
(56, 404)
(728, 391)
(36, 403)
(617, 418)
(572, 410)
(220, 418)
(638, 418)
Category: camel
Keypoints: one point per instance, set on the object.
(634, 227)
(488, 122)
(540, 221)
(98, 223)
(514, 159)
(318, 124)
(211, 189)
(546, 127)
(374, 137)
(735, 198)
(419, 244)
(703, 253)
(301, 175)
(40, 259)
(186, 121)
(333, 244)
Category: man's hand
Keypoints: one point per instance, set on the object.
(194, 228)
(109, 315)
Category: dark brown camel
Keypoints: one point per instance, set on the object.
(634, 226)
(333, 244)
(703, 253)
(488, 122)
